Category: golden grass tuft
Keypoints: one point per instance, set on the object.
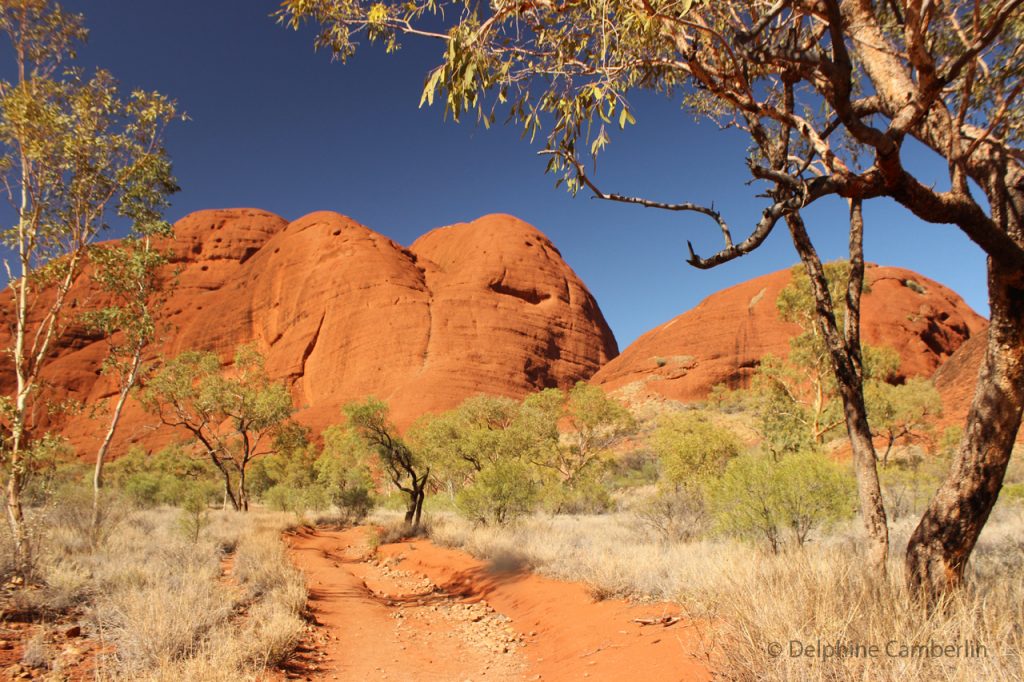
(158, 605)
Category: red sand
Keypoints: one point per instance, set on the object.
(568, 635)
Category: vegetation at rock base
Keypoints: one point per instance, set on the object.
(828, 95)
(405, 469)
(234, 417)
(742, 510)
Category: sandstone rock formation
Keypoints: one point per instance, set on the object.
(722, 340)
(341, 312)
(956, 380)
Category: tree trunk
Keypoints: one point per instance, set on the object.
(101, 454)
(944, 539)
(869, 490)
(16, 517)
(243, 498)
(419, 507)
(228, 494)
(845, 355)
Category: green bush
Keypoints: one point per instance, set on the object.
(342, 473)
(758, 497)
(913, 285)
(501, 492)
(633, 469)
(169, 476)
(302, 479)
(588, 493)
(295, 499)
(292, 468)
(195, 515)
(692, 448)
(908, 483)
(51, 466)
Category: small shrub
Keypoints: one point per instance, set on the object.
(673, 514)
(51, 465)
(166, 612)
(70, 518)
(501, 492)
(913, 285)
(397, 531)
(907, 484)
(38, 653)
(261, 566)
(588, 494)
(759, 497)
(692, 448)
(165, 477)
(295, 499)
(634, 469)
(354, 504)
(195, 515)
(275, 629)
(164, 621)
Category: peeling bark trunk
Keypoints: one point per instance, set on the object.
(942, 543)
(944, 539)
(419, 509)
(417, 494)
(869, 490)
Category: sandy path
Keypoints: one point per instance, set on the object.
(376, 623)
(415, 611)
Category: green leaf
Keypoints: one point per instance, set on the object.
(625, 117)
(430, 87)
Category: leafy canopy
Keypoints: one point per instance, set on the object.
(692, 448)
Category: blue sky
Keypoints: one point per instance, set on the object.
(275, 125)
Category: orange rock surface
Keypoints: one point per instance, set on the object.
(341, 312)
(957, 378)
(723, 339)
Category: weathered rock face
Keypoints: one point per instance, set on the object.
(723, 339)
(341, 312)
(957, 379)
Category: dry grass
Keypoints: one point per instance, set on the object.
(745, 603)
(156, 603)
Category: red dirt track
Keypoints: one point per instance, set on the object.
(415, 611)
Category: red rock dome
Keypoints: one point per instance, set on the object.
(341, 312)
(723, 339)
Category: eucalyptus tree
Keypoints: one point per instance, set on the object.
(233, 414)
(75, 153)
(369, 420)
(130, 274)
(829, 92)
